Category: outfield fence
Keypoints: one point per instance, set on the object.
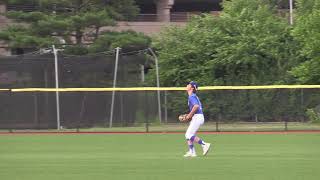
(89, 97)
(136, 109)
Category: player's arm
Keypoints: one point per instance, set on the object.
(193, 111)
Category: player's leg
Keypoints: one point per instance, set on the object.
(189, 134)
(198, 121)
(205, 146)
(199, 140)
(191, 152)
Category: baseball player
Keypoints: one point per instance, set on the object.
(197, 119)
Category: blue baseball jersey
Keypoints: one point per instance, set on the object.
(192, 100)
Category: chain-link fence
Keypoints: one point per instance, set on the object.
(135, 109)
(225, 110)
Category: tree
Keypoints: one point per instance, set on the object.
(64, 21)
(248, 44)
(127, 40)
(307, 32)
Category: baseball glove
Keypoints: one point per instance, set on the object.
(183, 118)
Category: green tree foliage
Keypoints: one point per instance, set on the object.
(127, 40)
(67, 22)
(307, 32)
(248, 44)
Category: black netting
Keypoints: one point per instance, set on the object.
(74, 71)
(37, 110)
(77, 109)
(263, 105)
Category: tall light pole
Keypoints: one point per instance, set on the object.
(114, 86)
(291, 11)
(55, 53)
(158, 82)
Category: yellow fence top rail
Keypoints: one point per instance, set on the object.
(163, 88)
(4, 89)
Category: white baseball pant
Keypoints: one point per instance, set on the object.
(195, 123)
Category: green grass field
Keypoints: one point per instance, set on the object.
(158, 157)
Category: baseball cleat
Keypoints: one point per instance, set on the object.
(206, 148)
(190, 154)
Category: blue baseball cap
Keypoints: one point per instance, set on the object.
(194, 85)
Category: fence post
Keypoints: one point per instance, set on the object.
(285, 125)
(36, 118)
(147, 111)
(10, 107)
(217, 126)
(302, 104)
(82, 110)
(165, 107)
(217, 123)
(147, 125)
